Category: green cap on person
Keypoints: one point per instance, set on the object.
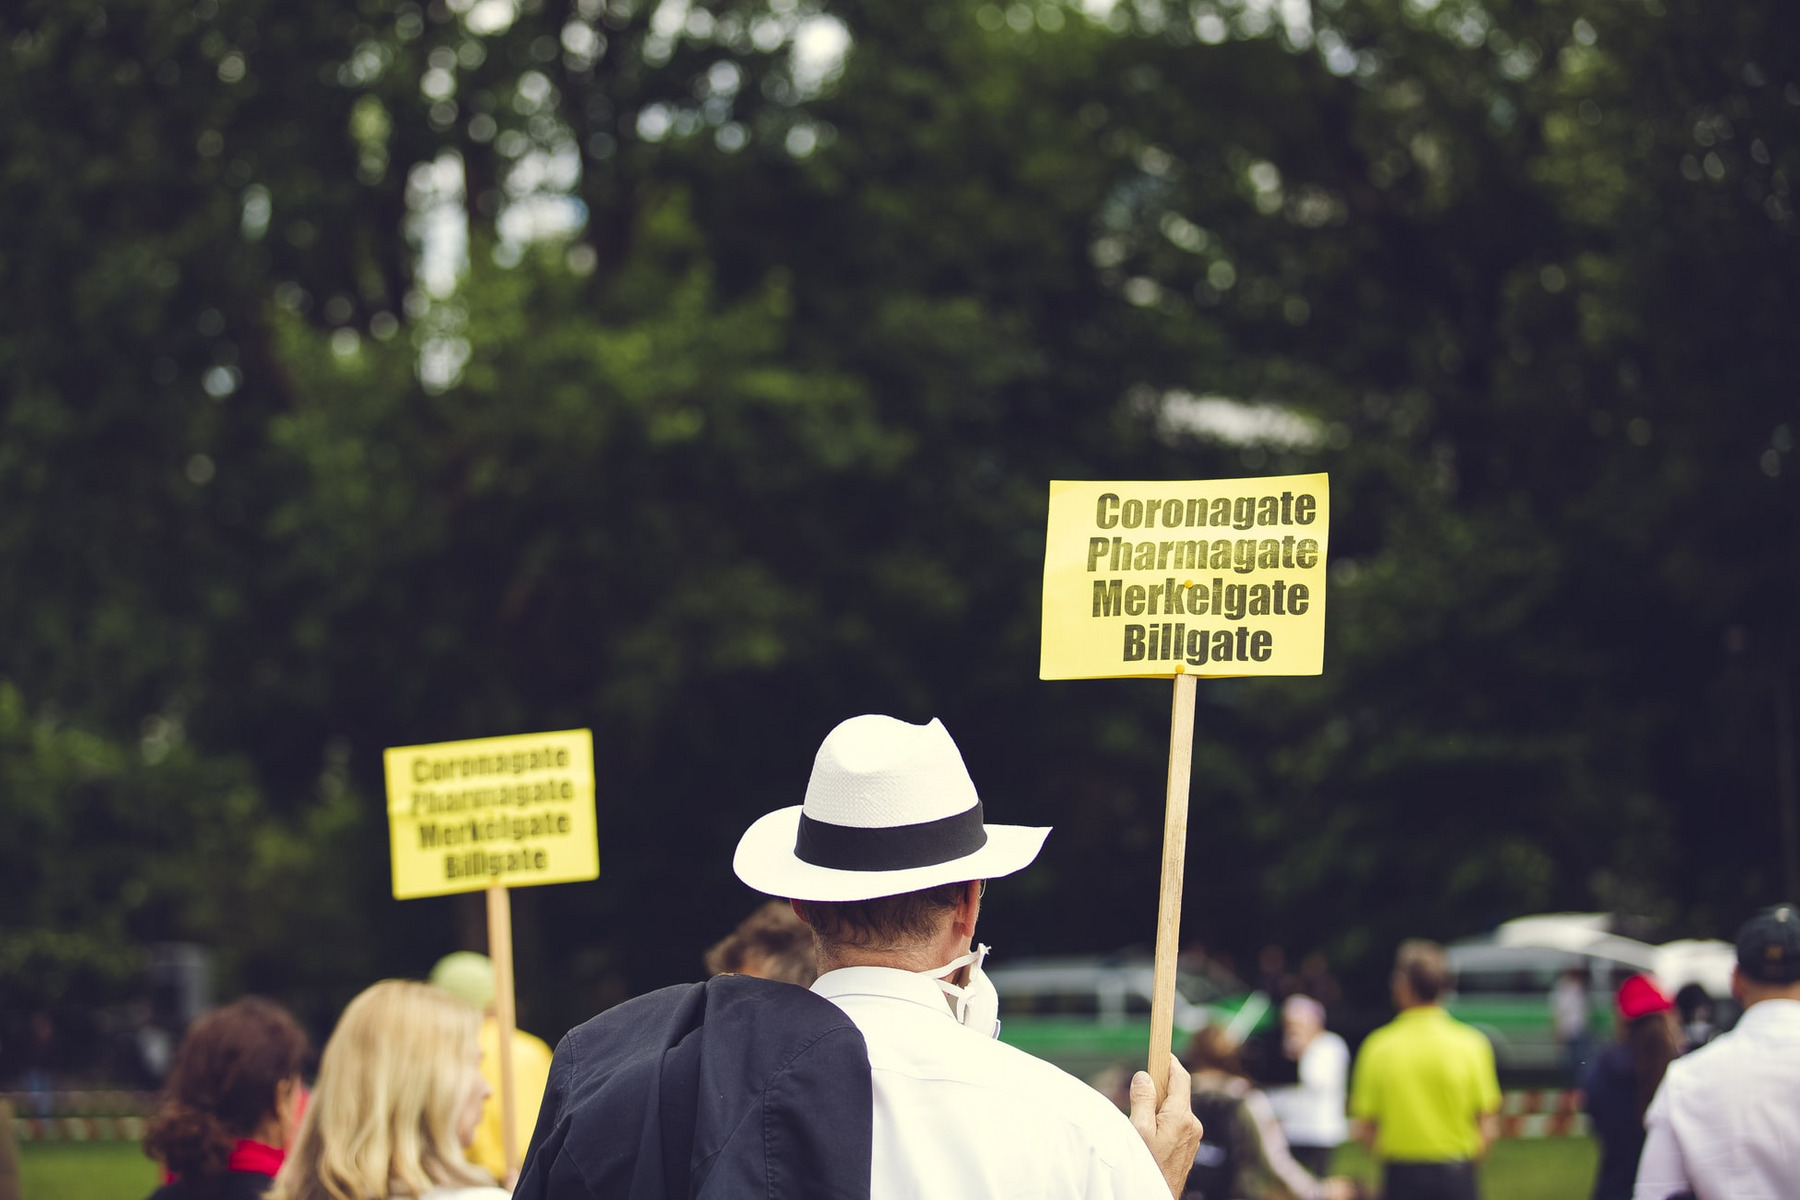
(467, 976)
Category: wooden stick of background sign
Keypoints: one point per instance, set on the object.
(499, 913)
(1168, 904)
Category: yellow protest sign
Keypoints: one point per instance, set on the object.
(1213, 577)
(516, 811)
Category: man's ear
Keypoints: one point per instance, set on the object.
(968, 909)
(800, 912)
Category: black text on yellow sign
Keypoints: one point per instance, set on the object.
(1204, 577)
(512, 810)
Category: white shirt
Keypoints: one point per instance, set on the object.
(961, 1115)
(1726, 1120)
(1312, 1112)
(1568, 1009)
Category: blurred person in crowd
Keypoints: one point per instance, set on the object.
(470, 977)
(1569, 1022)
(1317, 981)
(1725, 1123)
(1699, 1015)
(894, 1085)
(1312, 1111)
(398, 1097)
(1243, 1154)
(40, 1052)
(1114, 1083)
(1272, 976)
(1423, 1095)
(770, 943)
(1215, 966)
(1624, 1076)
(1193, 959)
(230, 1104)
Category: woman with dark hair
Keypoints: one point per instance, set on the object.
(232, 1100)
(1622, 1080)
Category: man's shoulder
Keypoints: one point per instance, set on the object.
(1053, 1079)
(1466, 1033)
(1436, 1024)
(764, 1023)
(690, 1063)
(1437, 1028)
(1381, 1037)
(729, 1000)
(1727, 1057)
(1023, 1080)
(1052, 1099)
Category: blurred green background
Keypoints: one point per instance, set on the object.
(380, 373)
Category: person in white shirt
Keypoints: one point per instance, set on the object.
(1569, 1021)
(1725, 1122)
(887, 861)
(1311, 1112)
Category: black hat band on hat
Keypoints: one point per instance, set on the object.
(891, 847)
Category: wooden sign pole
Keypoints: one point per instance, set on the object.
(1168, 904)
(499, 913)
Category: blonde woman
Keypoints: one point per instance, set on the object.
(397, 1099)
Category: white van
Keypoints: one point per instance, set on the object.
(1086, 1014)
(1502, 981)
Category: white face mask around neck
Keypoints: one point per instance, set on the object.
(976, 1005)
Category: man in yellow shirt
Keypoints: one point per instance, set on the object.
(470, 977)
(1424, 1096)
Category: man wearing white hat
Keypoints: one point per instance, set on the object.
(886, 861)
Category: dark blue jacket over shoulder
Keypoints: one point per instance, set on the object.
(735, 1087)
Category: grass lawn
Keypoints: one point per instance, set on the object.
(86, 1171)
(1516, 1168)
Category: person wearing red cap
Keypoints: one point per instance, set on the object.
(1619, 1082)
(1725, 1124)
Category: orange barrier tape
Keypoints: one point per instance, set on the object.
(1539, 1114)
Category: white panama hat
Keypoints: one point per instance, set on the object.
(890, 808)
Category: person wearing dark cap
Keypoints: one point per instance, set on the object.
(886, 862)
(1725, 1124)
(1619, 1083)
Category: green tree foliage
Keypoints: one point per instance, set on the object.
(390, 373)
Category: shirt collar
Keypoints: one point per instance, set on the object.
(1776, 1011)
(887, 982)
(256, 1157)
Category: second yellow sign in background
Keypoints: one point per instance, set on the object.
(511, 810)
